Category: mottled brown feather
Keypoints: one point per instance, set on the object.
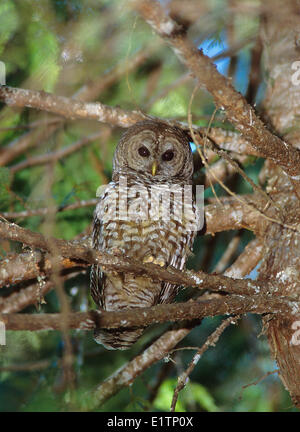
(166, 241)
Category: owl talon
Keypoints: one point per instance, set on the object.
(151, 259)
(148, 259)
(159, 262)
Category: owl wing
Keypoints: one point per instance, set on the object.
(169, 291)
(97, 277)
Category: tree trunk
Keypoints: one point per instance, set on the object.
(281, 42)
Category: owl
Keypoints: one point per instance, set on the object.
(141, 215)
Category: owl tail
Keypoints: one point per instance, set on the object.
(117, 339)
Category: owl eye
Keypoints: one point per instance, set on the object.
(144, 152)
(167, 155)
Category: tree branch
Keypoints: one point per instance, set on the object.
(210, 341)
(130, 371)
(18, 268)
(155, 352)
(141, 317)
(45, 210)
(77, 251)
(88, 92)
(247, 260)
(57, 155)
(238, 111)
(19, 300)
(69, 108)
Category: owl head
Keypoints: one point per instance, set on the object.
(155, 149)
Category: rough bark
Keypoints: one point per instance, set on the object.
(282, 247)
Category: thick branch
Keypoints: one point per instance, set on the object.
(69, 108)
(122, 264)
(233, 214)
(29, 265)
(247, 260)
(86, 93)
(155, 352)
(238, 111)
(233, 304)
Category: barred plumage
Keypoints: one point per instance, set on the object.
(152, 158)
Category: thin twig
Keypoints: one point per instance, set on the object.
(43, 211)
(254, 383)
(57, 155)
(238, 111)
(210, 341)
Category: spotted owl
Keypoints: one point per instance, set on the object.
(143, 214)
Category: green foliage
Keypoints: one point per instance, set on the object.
(175, 104)
(192, 395)
(9, 22)
(43, 55)
(5, 180)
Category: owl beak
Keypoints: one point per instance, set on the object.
(154, 168)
